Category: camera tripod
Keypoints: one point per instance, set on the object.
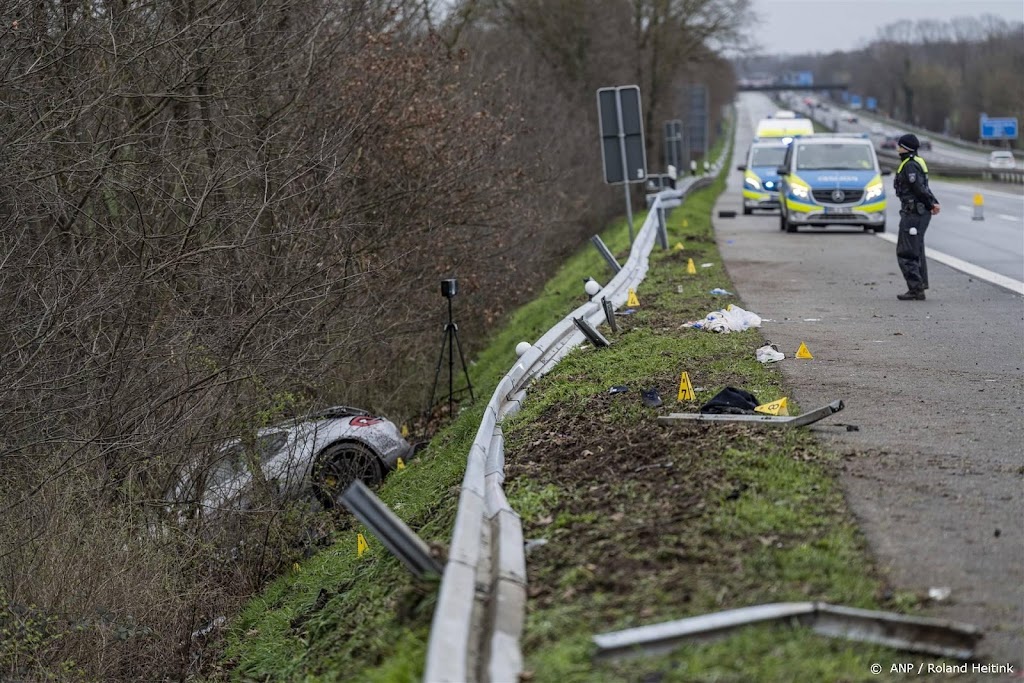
(451, 340)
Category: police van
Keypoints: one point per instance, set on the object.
(782, 128)
(761, 174)
(831, 179)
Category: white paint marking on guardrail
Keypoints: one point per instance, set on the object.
(1015, 286)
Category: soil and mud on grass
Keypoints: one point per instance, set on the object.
(646, 522)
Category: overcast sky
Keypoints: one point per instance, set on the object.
(800, 26)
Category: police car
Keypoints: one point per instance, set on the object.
(761, 174)
(831, 180)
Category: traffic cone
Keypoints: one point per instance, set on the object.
(979, 207)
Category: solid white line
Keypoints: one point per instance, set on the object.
(964, 208)
(1015, 286)
(1009, 217)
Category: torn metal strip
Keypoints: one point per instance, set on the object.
(778, 420)
(938, 637)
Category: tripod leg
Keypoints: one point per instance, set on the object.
(437, 371)
(451, 370)
(464, 370)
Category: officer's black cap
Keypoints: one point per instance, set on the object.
(909, 141)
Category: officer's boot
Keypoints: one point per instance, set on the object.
(916, 294)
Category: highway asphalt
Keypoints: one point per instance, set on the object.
(935, 473)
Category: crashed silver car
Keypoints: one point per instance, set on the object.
(316, 456)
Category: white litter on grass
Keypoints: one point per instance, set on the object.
(732, 318)
(769, 354)
(706, 265)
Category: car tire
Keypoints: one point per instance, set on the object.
(747, 212)
(339, 465)
(788, 225)
(879, 228)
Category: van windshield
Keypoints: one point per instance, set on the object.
(835, 157)
(767, 156)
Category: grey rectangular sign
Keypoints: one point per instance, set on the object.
(623, 154)
(696, 107)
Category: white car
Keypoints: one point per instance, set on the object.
(1001, 159)
(318, 455)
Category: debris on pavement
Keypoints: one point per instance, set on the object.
(938, 594)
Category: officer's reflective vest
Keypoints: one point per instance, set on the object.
(919, 160)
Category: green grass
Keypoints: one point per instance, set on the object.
(786, 536)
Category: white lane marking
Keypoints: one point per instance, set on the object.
(964, 208)
(1015, 286)
(1008, 217)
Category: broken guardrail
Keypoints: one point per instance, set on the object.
(474, 635)
(807, 418)
(937, 637)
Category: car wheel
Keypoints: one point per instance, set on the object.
(747, 212)
(787, 225)
(879, 228)
(341, 464)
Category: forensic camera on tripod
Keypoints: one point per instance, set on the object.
(449, 288)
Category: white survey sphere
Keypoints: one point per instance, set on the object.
(592, 287)
(523, 347)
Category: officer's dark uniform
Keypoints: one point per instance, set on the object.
(916, 203)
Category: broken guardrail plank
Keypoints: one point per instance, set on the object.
(938, 637)
(779, 420)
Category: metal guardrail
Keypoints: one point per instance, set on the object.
(474, 635)
(889, 159)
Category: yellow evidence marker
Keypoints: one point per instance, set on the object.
(803, 352)
(632, 300)
(678, 247)
(690, 268)
(778, 407)
(361, 545)
(405, 431)
(686, 392)
(400, 465)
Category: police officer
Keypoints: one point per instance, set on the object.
(917, 206)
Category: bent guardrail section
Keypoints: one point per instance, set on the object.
(474, 636)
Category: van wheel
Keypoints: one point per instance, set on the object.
(747, 212)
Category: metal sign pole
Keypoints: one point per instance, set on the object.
(625, 167)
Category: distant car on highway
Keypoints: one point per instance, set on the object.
(319, 455)
(850, 118)
(926, 143)
(1001, 159)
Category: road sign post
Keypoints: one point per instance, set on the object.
(623, 152)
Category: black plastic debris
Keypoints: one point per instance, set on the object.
(731, 401)
(650, 397)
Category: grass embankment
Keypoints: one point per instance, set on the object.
(643, 522)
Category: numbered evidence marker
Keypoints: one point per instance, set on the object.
(361, 545)
(405, 431)
(778, 407)
(632, 300)
(686, 392)
(803, 352)
(690, 268)
(400, 465)
(678, 247)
